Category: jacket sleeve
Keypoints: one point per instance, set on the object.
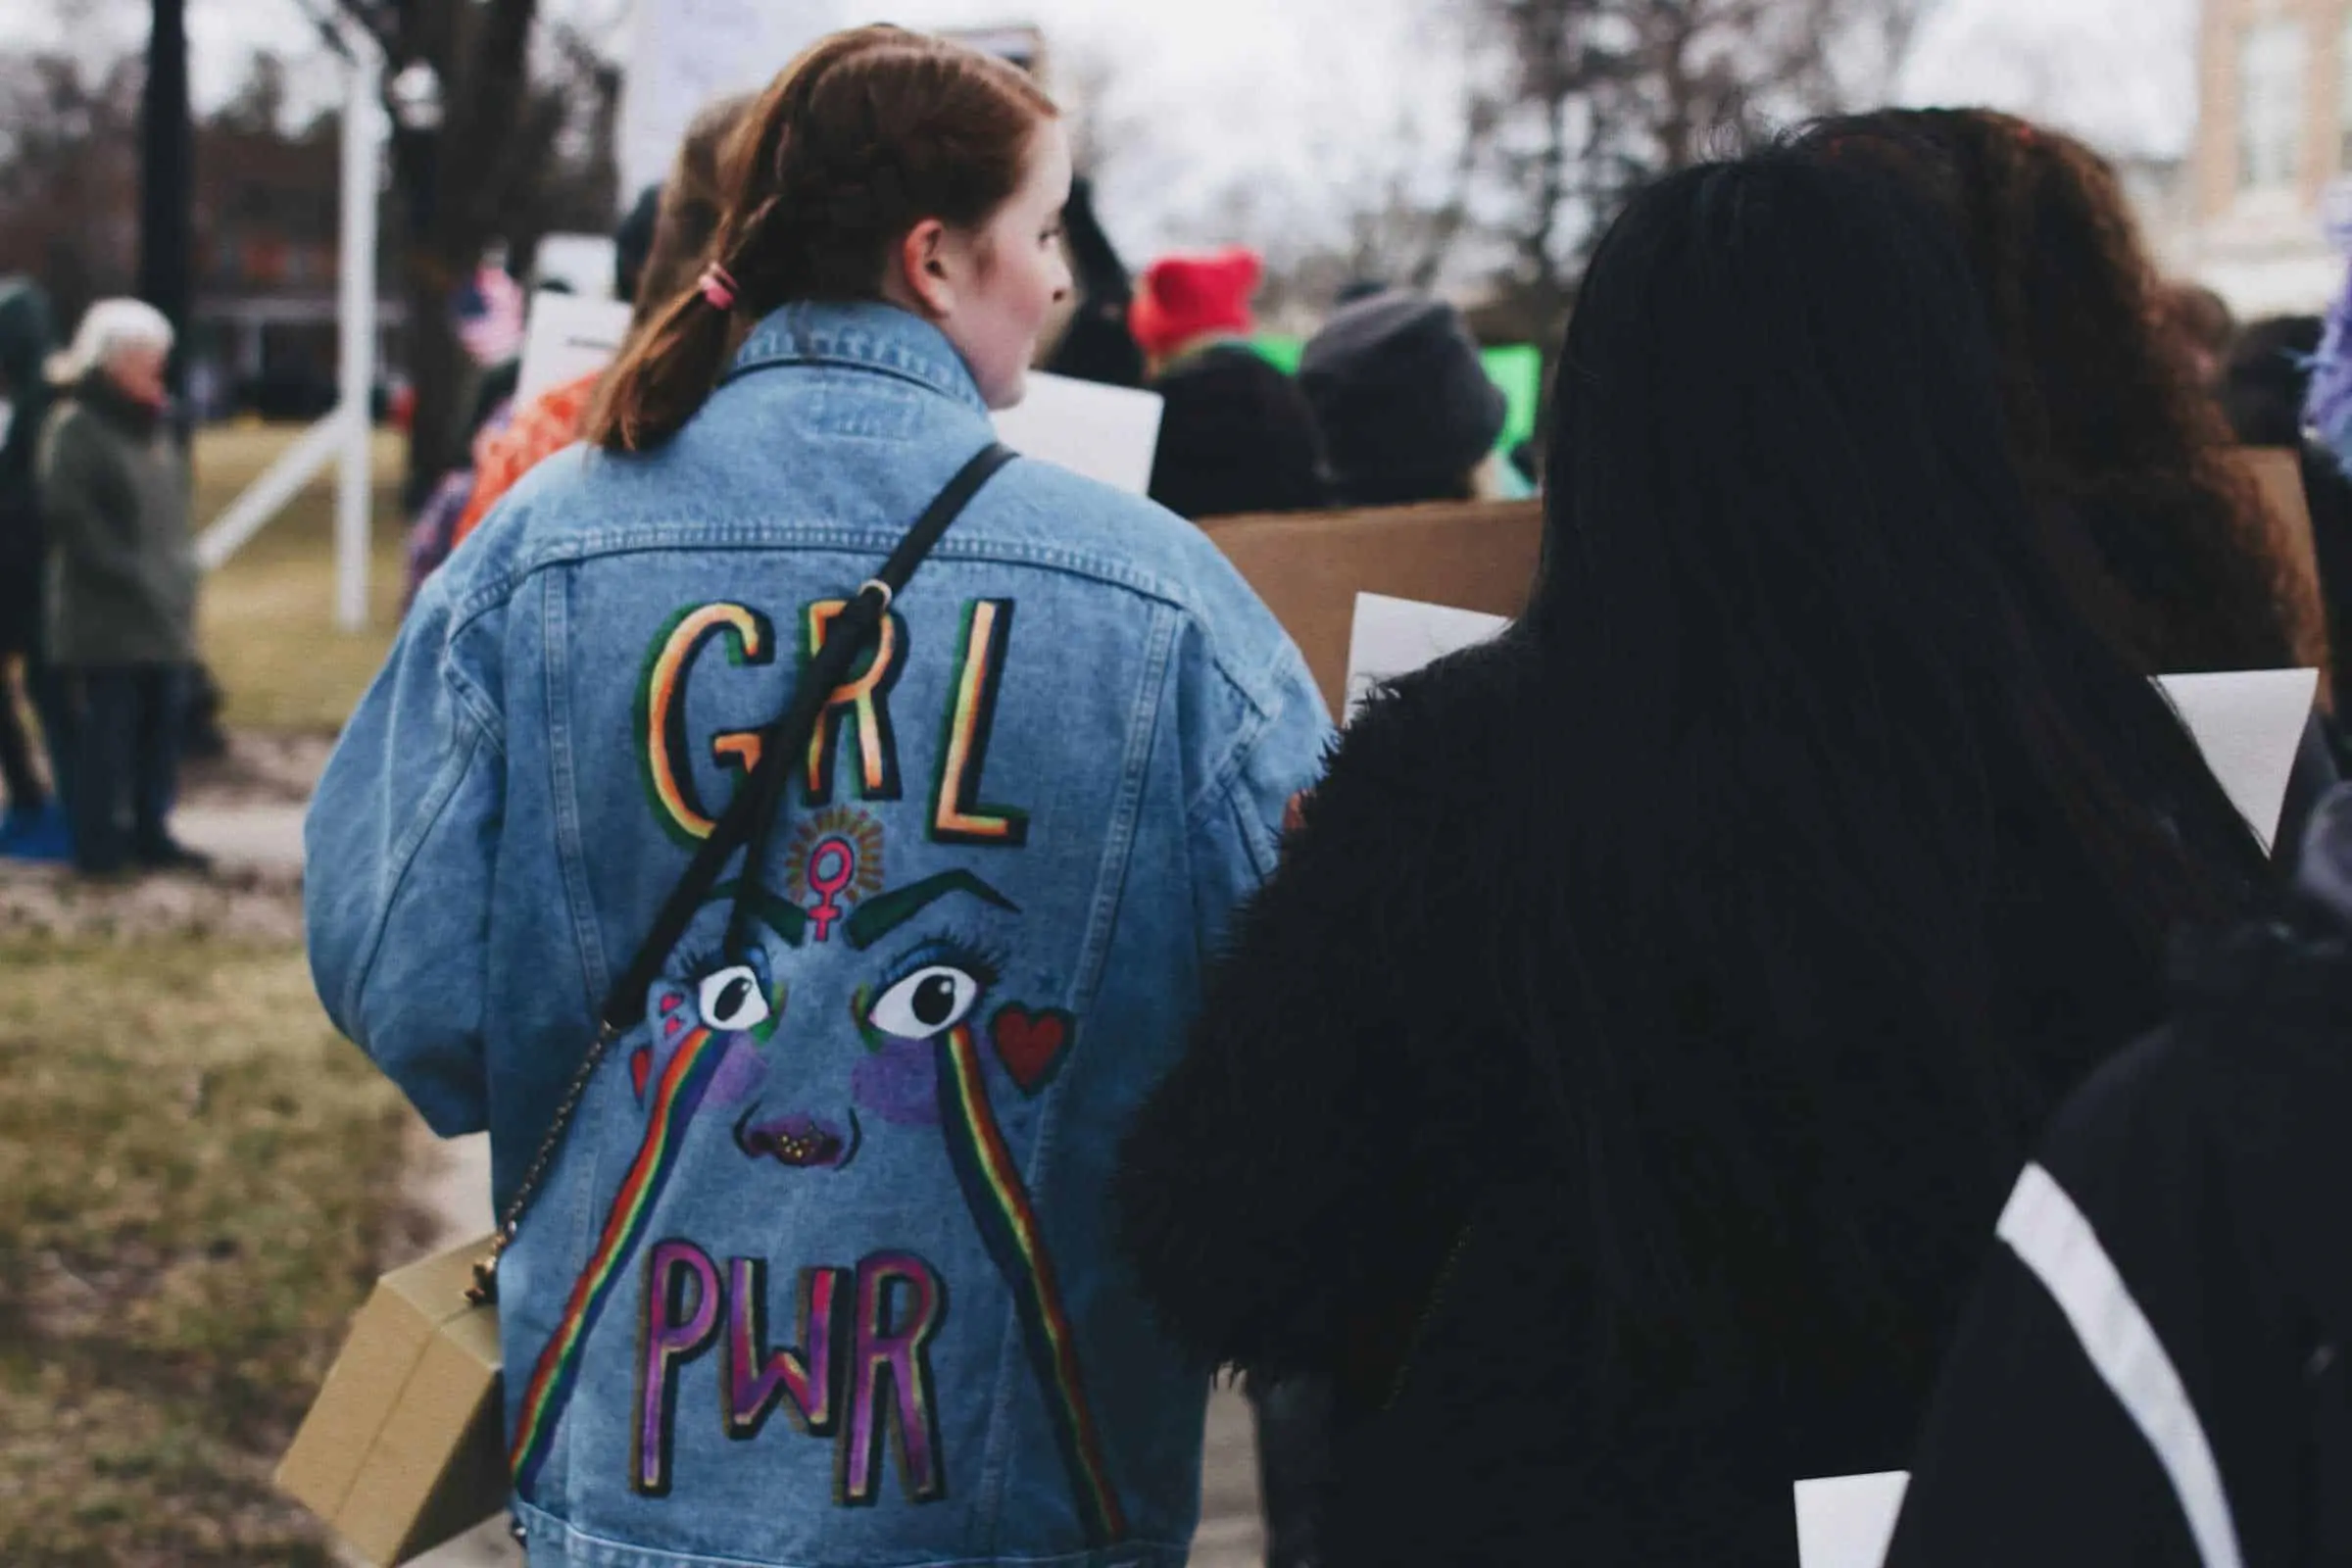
(1288, 1188)
(400, 847)
(82, 497)
(2074, 1419)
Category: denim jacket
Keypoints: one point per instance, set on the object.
(824, 1272)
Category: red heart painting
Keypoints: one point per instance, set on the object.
(1031, 1045)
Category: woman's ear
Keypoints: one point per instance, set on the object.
(923, 268)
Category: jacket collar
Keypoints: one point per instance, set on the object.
(866, 335)
(103, 398)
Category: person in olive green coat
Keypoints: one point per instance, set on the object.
(121, 584)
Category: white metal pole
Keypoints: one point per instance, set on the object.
(356, 356)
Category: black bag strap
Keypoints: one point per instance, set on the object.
(748, 822)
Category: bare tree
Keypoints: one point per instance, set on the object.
(464, 146)
(1591, 98)
(1105, 124)
(69, 171)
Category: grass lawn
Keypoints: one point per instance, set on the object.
(196, 1178)
(269, 615)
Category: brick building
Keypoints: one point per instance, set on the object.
(2272, 151)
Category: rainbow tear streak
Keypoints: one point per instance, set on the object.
(1000, 1204)
(681, 1089)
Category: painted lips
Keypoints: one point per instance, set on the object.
(800, 1142)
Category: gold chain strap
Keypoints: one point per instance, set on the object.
(484, 1289)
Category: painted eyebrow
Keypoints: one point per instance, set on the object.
(787, 921)
(883, 913)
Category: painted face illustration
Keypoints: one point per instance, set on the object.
(800, 1092)
(854, 1030)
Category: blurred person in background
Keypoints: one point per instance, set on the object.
(34, 827)
(2264, 389)
(1405, 406)
(2129, 462)
(656, 263)
(122, 585)
(2161, 535)
(507, 442)
(2157, 1366)
(1096, 344)
(1612, 1087)
(1236, 433)
(2202, 329)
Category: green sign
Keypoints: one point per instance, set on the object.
(1280, 352)
(1516, 367)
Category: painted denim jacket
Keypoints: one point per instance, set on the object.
(825, 1273)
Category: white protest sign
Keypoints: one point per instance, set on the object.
(1848, 1521)
(567, 337)
(1105, 432)
(684, 54)
(1393, 637)
(582, 263)
(2248, 724)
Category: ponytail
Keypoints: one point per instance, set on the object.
(865, 135)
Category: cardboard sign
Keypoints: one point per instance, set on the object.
(1108, 433)
(403, 1447)
(1309, 567)
(2248, 724)
(1395, 637)
(567, 336)
(1848, 1521)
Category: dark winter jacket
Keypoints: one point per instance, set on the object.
(1234, 435)
(25, 340)
(122, 573)
(2157, 1368)
(1354, 1172)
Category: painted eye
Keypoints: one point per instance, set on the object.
(731, 998)
(925, 1002)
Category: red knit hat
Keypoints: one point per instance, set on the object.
(1183, 297)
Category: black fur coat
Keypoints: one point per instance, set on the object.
(1353, 1176)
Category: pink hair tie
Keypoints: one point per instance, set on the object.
(717, 286)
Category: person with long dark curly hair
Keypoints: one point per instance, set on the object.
(2116, 439)
(1611, 1093)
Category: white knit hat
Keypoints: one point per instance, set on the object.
(106, 328)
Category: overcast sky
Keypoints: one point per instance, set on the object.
(1223, 88)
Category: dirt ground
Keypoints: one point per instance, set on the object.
(261, 785)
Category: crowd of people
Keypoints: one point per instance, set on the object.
(1391, 404)
(1797, 1003)
(1586, 1098)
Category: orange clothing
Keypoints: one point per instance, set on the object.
(541, 429)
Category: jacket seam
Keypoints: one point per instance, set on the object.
(909, 375)
(571, 857)
(1118, 846)
(1237, 758)
(404, 859)
(609, 1549)
(580, 547)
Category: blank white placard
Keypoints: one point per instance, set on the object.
(1848, 1521)
(1108, 433)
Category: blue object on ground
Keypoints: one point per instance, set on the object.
(40, 835)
